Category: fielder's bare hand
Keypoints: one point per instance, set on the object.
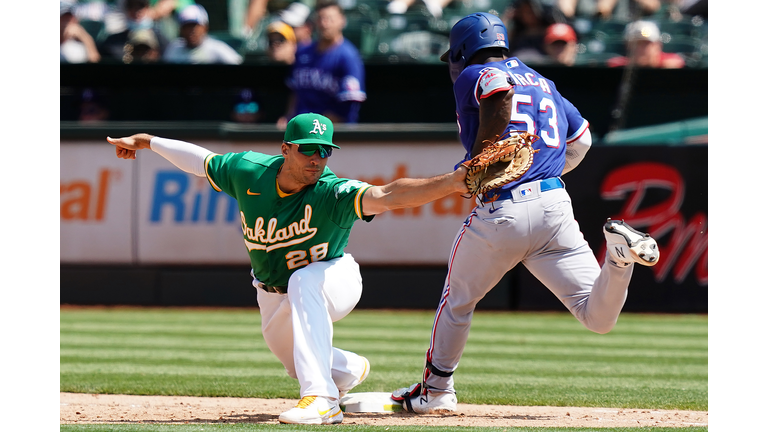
(126, 148)
(460, 177)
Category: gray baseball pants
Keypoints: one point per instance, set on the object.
(540, 232)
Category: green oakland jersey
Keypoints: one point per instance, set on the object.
(285, 233)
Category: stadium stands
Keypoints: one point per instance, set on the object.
(418, 36)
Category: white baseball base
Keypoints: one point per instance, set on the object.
(372, 402)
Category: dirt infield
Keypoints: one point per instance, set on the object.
(90, 408)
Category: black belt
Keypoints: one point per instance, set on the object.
(273, 289)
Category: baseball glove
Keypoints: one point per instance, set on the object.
(502, 161)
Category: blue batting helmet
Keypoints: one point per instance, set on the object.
(471, 34)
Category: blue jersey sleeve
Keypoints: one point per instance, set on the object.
(468, 105)
(352, 75)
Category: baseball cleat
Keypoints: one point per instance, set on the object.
(366, 369)
(626, 245)
(432, 402)
(313, 410)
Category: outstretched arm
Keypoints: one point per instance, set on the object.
(126, 148)
(410, 192)
(186, 156)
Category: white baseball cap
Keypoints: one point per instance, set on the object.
(193, 14)
(295, 15)
(642, 30)
(66, 7)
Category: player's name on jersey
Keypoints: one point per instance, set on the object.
(274, 238)
(527, 78)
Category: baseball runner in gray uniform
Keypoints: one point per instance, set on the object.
(528, 221)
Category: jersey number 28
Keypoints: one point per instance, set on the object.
(298, 258)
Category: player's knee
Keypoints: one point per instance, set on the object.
(291, 373)
(602, 330)
(600, 327)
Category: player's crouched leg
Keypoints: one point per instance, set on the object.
(337, 281)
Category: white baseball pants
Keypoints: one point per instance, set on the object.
(298, 326)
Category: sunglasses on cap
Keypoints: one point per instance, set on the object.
(310, 149)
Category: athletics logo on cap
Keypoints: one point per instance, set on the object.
(310, 128)
(318, 128)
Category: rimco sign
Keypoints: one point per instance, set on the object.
(146, 211)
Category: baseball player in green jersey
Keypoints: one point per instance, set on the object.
(296, 217)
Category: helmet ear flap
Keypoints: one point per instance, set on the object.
(455, 67)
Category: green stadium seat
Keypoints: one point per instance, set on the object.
(419, 46)
(593, 59)
(677, 28)
(362, 35)
(94, 28)
(218, 14)
(609, 28)
(603, 45)
(682, 44)
(362, 20)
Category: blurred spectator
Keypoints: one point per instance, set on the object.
(142, 47)
(135, 15)
(118, 20)
(247, 109)
(328, 76)
(92, 107)
(435, 7)
(626, 10)
(90, 10)
(281, 40)
(159, 9)
(296, 15)
(164, 13)
(620, 10)
(577, 8)
(76, 45)
(677, 10)
(693, 7)
(129, 15)
(644, 48)
(255, 12)
(258, 9)
(560, 44)
(527, 24)
(195, 46)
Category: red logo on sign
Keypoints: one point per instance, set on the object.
(688, 243)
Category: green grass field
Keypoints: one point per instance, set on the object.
(647, 361)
